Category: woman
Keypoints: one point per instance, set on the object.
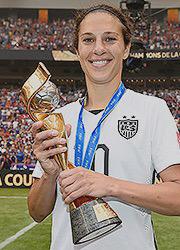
(122, 135)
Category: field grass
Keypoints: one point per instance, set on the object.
(14, 216)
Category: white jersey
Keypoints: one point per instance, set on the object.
(137, 137)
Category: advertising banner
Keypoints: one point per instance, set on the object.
(157, 54)
(15, 178)
(56, 55)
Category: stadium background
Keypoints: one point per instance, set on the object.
(33, 31)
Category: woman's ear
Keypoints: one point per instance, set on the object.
(127, 51)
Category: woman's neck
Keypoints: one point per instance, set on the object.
(99, 95)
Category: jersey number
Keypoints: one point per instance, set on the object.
(106, 158)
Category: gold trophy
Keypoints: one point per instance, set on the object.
(90, 217)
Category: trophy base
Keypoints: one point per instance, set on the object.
(92, 220)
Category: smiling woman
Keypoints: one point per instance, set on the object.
(102, 46)
(118, 139)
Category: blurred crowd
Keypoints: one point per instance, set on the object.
(58, 35)
(30, 34)
(162, 35)
(15, 136)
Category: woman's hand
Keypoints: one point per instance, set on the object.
(47, 144)
(79, 182)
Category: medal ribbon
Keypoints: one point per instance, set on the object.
(94, 138)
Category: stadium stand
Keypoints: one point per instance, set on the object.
(30, 34)
(15, 139)
(163, 35)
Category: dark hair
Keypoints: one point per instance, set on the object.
(125, 20)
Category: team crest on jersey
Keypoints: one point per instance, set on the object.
(128, 127)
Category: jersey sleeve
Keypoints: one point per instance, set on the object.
(165, 146)
(38, 171)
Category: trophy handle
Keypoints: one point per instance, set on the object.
(32, 86)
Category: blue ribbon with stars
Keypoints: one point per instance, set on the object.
(94, 138)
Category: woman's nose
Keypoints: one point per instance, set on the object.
(99, 47)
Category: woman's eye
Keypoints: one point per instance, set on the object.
(110, 39)
(88, 40)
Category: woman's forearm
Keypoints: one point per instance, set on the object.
(163, 198)
(42, 197)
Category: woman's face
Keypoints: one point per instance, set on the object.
(101, 48)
